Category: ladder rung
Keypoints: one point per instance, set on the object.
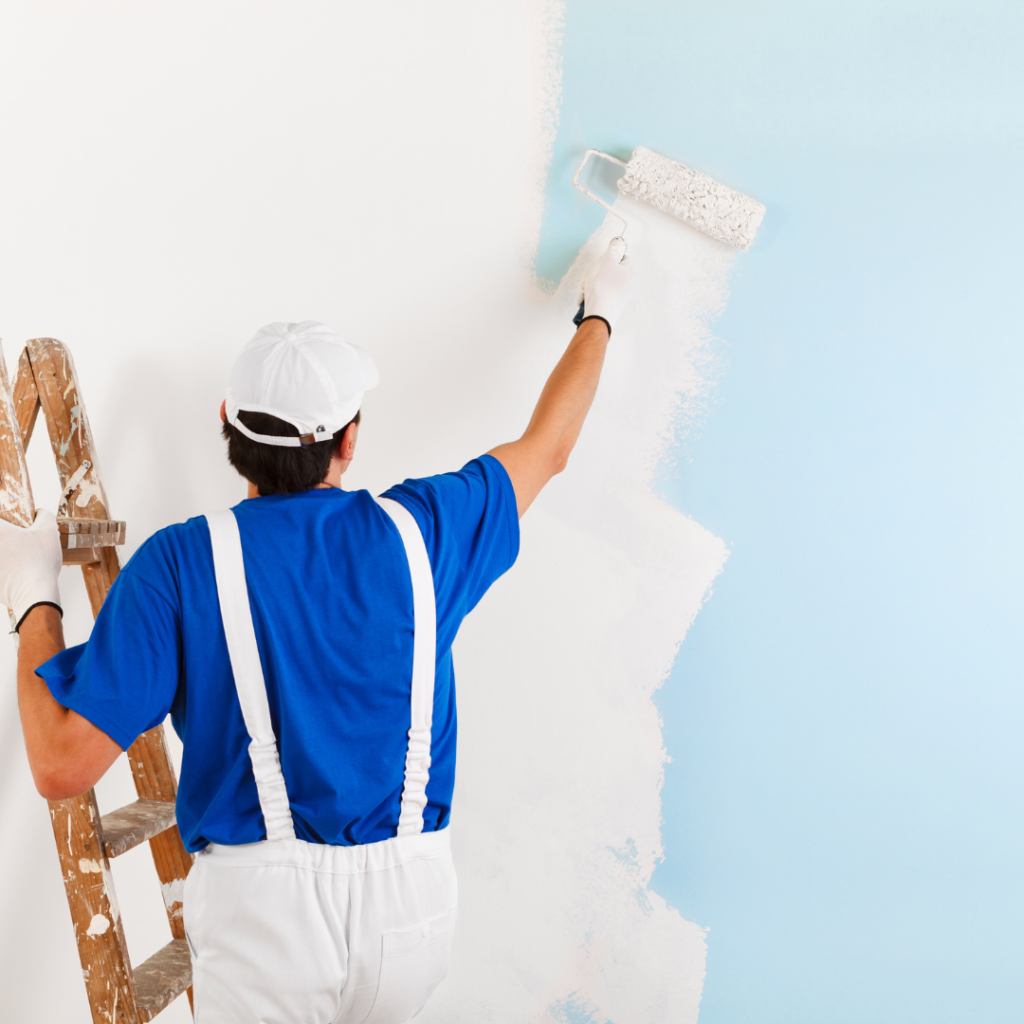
(162, 978)
(90, 533)
(132, 824)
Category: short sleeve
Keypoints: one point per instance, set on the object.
(470, 524)
(125, 678)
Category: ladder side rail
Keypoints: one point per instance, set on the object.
(16, 505)
(26, 398)
(84, 866)
(72, 443)
(155, 780)
(95, 916)
(68, 426)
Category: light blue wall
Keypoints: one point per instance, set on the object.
(846, 717)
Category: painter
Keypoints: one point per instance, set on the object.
(301, 643)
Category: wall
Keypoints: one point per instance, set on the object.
(179, 174)
(842, 809)
(839, 808)
(176, 175)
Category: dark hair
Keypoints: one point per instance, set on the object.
(276, 469)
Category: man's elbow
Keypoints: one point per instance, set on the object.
(71, 759)
(559, 460)
(52, 787)
(57, 781)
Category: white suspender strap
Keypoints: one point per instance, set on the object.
(424, 656)
(233, 594)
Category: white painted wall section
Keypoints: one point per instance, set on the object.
(187, 172)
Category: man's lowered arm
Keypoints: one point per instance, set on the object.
(66, 752)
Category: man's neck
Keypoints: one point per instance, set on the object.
(253, 491)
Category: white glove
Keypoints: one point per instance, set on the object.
(608, 285)
(30, 560)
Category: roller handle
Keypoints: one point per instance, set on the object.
(578, 318)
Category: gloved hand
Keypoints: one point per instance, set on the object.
(608, 285)
(30, 561)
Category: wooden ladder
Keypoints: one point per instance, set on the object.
(86, 840)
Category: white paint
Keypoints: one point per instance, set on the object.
(563, 658)
(173, 893)
(384, 179)
(86, 866)
(108, 884)
(99, 925)
(87, 490)
(76, 478)
(15, 493)
(708, 205)
(545, 25)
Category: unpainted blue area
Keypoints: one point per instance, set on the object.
(843, 808)
(572, 1010)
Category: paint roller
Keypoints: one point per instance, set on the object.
(705, 204)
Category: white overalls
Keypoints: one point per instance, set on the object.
(290, 932)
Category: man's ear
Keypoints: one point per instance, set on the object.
(347, 444)
(224, 411)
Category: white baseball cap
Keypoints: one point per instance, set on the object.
(304, 374)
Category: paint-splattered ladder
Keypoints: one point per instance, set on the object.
(87, 841)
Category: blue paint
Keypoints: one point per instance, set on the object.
(845, 717)
(572, 1010)
(627, 855)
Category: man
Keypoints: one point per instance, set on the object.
(301, 643)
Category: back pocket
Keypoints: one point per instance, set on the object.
(413, 963)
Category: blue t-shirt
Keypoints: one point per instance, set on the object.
(331, 601)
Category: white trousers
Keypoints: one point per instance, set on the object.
(290, 932)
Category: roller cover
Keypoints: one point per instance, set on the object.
(702, 202)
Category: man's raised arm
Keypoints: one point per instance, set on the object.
(551, 435)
